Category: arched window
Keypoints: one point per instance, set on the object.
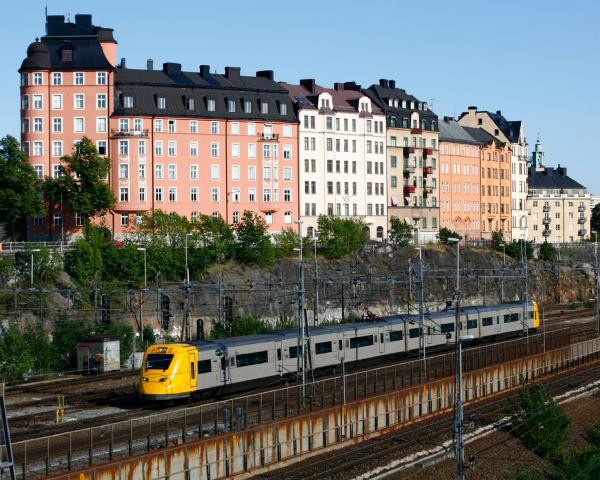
(433, 126)
(287, 217)
(269, 218)
(380, 233)
(236, 217)
(216, 214)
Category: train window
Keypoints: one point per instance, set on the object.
(323, 347)
(511, 317)
(193, 370)
(447, 327)
(294, 352)
(279, 354)
(204, 366)
(254, 358)
(531, 315)
(487, 321)
(414, 332)
(340, 345)
(358, 342)
(396, 336)
(158, 361)
(471, 324)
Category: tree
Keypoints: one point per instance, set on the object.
(446, 233)
(216, 236)
(253, 240)
(547, 252)
(595, 223)
(67, 331)
(82, 188)
(514, 249)
(401, 233)
(19, 189)
(540, 423)
(341, 236)
(285, 242)
(47, 264)
(16, 358)
(497, 239)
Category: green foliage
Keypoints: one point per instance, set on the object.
(497, 239)
(240, 326)
(339, 237)
(16, 358)
(401, 233)
(285, 242)
(528, 475)
(253, 240)
(7, 270)
(67, 331)
(19, 189)
(446, 233)
(595, 221)
(47, 264)
(216, 236)
(149, 338)
(82, 189)
(547, 252)
(540, 423)
(126, 336)
(41, 348)
(593, 435)
(580, 465)
(514, 249)
(85, 261)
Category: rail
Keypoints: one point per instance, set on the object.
(90, 446)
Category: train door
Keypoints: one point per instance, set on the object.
(224, 370)
(497, 324)
(192, 358)
(279, 356)
(382, 340)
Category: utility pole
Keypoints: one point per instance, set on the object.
(526, 279)
(316, 314)
(9, 463)
(301, 357)
(596, 286)
(459, 441)
(422, 343)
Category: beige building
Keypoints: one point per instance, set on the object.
(412, 159)
(559, 207)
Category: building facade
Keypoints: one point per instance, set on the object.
(559, 207)
(495, 180)
(412, 158)
(513, 133)
(186, 142)
(460, 184)
(342, 155)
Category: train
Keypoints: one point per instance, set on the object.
(179, 370)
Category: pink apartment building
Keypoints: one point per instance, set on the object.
(186, 142)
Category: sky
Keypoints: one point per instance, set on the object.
(535, 60)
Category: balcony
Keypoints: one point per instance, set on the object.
(408, 150)
(546, 232)
(114, 133)
(267, 137)
(408, 168)
(416, 131)
(427, 151)
(546, 221)
(582, 232)
(581, 208)
(581, 220)
(408, 189)
(546, 208)
(427, 170)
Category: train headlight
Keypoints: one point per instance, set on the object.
(145, 379)
(162, 380)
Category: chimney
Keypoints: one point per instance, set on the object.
(123, 63)
(84, 22)
(351, 86)
(149, 64)
(338, 86)
(498, 112)
(472, 108)
(448, 119)
(172, 68)
(53, 23)
(309, 84)
(205, 71)
(232, 73)
(268, 74)
(383, 83)
(392, 83)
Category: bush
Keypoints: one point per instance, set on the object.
(67, 331)
(547, 252)
(514, 249)
(240, 326)
(285, 242)
(540, 422)
(401, 233)
(497, 239)
(16, 358)
(593, 434)
(253, 240)
(47, 264)
(339, 237)
(445, 233)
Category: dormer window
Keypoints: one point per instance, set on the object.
(325, 103)
(412, 105)
(210, 105)
(66, 54)
(161, 103)
(231, 106)
(403, 103)
(432, 126)
(480, 121)
(391, 102)
(128, 102)
(420, 106)
(423, 124)
(264, 108)
(189, 103)
(396, 103)
(283, 109)
(247, 106)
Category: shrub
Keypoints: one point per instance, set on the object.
(445, 233)
(285, 242)
(253, 240)
(401, 233)
(339, 237)
(547, 252)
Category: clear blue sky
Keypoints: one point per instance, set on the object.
(537, 61)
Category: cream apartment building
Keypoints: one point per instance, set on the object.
(342, 138)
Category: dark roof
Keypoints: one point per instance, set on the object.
(82, 37)
(510, 128)
(386, 89)
(177, 86)
(483, 137)
(552, 179)
(453, 132)
(345, 96)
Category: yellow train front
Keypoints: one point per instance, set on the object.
(169, 372)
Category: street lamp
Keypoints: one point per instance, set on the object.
(422, 314)
(142, 249)
(459, 443)
(34, 250)
(503, 245)
(187, 270)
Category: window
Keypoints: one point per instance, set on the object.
(171, 126)
(142, 148)
(158, 125)
(204, 366)
(38, 149)
(359, 342)
(193, 149)
(79, 101)
(100, 78)
(214, 150)
(57, 149)
(25, 102)
(57, 171)
(57, 102)
(79, 124)
(142, 194)
(283, 109)
(447, 327)
(511, 317)
(79, 220)
(487, 321)
(323, 347)
(128, 101)
(38, 103)
(39, 171)
(235, 172)
(38, 125)
(254, 358)
(235, 195)
(158, 194)
(172, 194)
(264, 108)
(396, 336)
(101, 124)
(57, 219)
(142, 171)
(247, 106)
(231, 106)
(37, 78)
(214, 194)
(172, 171)
(252, 195)
(252, 173)
(287, 173)
(287, 195)
(193, 126)
(123, 194)
(101, 145)
(24, 79)
(214, 172)
(172, 148)
(287, 130)
(210, 105)
(287, 152)
(471, 324)
(235, 150)
(193, 172)
(161, 103)
(123, 147)
(287, 217)
(158, 171)
(79, 78)
(251, 150)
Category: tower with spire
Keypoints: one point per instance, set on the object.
(537, 158)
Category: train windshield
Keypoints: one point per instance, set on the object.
(158, 361)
